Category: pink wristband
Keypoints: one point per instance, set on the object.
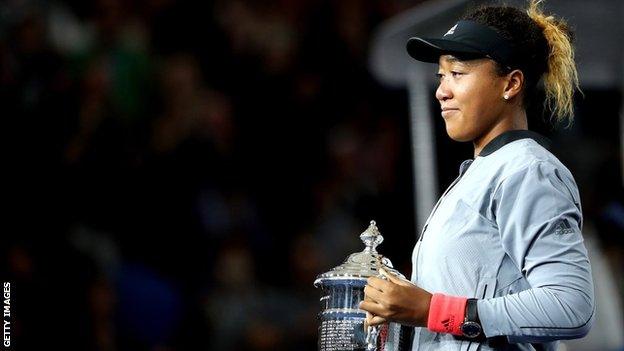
(446, 314)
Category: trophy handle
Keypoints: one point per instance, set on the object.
(371, 338)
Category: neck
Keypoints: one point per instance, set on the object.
(515, 121)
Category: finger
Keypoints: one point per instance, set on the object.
(372, 294)
(378, 283)
(391, 276)
(368, 319)
(372, 320)
(372, 307)
(376, 320)
(394, 278)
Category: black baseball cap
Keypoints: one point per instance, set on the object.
(466, 39)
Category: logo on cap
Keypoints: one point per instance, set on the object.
(451, 31)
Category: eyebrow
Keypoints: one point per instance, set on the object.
(453, 59)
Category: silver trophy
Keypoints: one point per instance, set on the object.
(342, 288)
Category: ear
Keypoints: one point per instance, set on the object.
(514, 84)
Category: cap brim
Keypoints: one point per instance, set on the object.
(430, 50)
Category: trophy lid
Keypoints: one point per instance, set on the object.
(361, 265)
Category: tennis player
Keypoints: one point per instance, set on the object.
(500, 263)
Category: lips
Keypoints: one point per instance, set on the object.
(446, 111)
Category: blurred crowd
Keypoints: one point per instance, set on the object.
(181, 171)
(184, 170)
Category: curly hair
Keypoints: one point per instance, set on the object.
(547, 52)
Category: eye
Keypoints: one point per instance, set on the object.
(439, 76)
(456, 74)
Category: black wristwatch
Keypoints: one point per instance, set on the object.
(471, 327)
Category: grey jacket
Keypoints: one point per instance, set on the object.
(508, 231)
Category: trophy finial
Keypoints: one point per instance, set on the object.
(371, 237)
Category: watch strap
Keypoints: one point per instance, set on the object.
(472, 318)
(471, 311)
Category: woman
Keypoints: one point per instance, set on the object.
(500, 263)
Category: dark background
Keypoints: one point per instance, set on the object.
(179, 172)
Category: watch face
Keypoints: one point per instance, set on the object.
(471, 329)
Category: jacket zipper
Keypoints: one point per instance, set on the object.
(435, 208)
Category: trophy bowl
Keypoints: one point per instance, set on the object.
(341, 321)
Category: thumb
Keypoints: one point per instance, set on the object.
(394, 278)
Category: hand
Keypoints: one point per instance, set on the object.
(396, 300)
(372, 320)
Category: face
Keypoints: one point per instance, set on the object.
(470, 95)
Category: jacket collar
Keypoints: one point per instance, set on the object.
(513, 135)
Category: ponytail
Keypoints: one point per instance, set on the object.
(561, 77)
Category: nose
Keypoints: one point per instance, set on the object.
(443, 92)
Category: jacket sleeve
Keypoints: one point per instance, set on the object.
(539, 220)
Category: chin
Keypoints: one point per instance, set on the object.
(458, 135)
